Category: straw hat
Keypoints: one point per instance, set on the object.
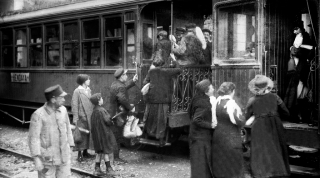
(259, 84)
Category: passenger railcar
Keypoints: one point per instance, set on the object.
(53, 45)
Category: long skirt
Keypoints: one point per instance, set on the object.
(269, 156)
(156, 117)
(85, 143)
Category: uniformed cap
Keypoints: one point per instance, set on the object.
(95, 98)
(163, 33)
(190, 26)
(180, 30)
(119, 72)
(54, 91)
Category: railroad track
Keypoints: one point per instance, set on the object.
(12, 152)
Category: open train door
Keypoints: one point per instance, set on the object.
(280, 18)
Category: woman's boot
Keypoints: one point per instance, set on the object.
(87, 155)
(97, 170)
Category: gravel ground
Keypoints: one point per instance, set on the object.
(140, 163)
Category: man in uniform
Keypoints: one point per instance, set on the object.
(207, 51)
(50, 138)
(119, 100)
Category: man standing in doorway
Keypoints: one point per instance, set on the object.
(207, 51)
(50, 136)
(119, 100)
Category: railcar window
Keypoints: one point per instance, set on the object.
(91, 53)
(52, 45)
(7, 48)
(113, 52)
(113, 27)
(21, 48)
(147, 40)
(131, 50)
(71, 49)
(35, 46)
(91, 29)
(236, 32)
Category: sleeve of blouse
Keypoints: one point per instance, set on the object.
(282, 109)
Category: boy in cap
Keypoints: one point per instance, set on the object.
(50, 136)
(119, 97)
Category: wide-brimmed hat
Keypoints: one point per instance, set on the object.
(259, 84)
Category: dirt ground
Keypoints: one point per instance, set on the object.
(140, 164)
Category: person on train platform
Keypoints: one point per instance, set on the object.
(82, 108)
(300, 53)
(119, 100)
(50, 138)
(269, 156)
(104, 141)
(158, 98)
(180, 32)
(227, 154)
(191, 47)
(163, 48)
(207, 52)
(203, 123)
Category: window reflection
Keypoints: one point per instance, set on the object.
(35, 35)
(113, 52)
(91, 53)
(35, 55)
(53, 54)
(91, 29)
(131, 50)
(113, 27)
(71, 54)
(21, 56)
(236, 32)
(21, 37)
(71, 31)
(52, 33)
(7, 37)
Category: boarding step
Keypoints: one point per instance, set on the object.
(304, 171)
(151, 142)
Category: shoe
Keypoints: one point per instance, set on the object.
(134, 141)
(87, 155)
(111, 172)
(98, 172)
(80, 159)
(120, 161)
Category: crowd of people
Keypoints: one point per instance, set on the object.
(215, 130)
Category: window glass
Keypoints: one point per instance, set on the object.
(129, 16)
(21, 37)
(71, 54)
(35, 35)
(71, 31)
(53, 54)
(113, 52)
(147, 41)
(7, 56)
(91, 29)
(52, 33)
(236, 32)
(21, 57)
(35, 55)
(7, 37)
(113, 27)
(91, 53)
(131, 50)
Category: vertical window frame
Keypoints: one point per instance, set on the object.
(35, 44)
(47, 43)
(78, 41)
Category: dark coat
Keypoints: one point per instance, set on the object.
(102, 136)
(161, 84)
(119, 96)
(190, 51)
(269, 156)
(227, 156)
(207, 53)
(200, 136)
(163, 48)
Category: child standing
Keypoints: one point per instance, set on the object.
(103, 139)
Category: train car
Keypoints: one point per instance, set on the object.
(52, 45)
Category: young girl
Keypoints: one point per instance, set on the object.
(104, 141)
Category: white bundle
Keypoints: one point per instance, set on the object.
(200, 36)
(172, 38)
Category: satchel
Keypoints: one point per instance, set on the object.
(291, 65)
(77, 135)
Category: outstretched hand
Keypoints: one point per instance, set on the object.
(135, 78)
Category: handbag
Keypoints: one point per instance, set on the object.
(291, 65)
(77, 135)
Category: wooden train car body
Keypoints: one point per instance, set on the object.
(53, 45)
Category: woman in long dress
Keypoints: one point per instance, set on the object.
(269, 157)
(201, 129)
(82, 109)
(227, 156)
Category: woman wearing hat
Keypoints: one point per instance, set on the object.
(269, 157)
(227, 156)
(201, 129)
(82, 110)
(103, 139)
